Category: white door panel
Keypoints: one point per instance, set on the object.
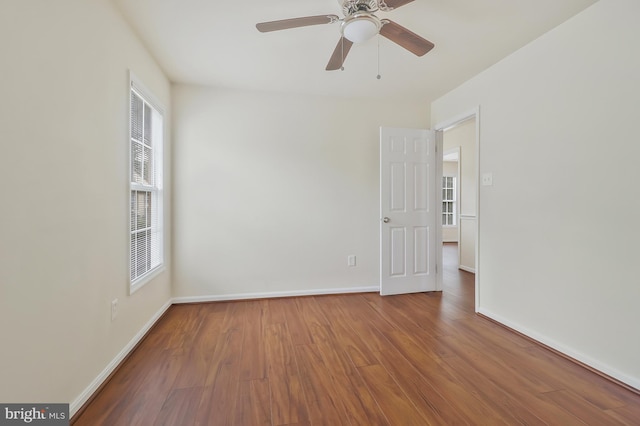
(407, 210)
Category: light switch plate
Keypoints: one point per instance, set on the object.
(487, 179)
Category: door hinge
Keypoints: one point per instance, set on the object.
(436, 269)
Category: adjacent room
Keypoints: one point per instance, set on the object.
(182, 188)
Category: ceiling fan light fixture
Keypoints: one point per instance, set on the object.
(360, 28)
(359, 25)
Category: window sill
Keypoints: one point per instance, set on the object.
(140, 282)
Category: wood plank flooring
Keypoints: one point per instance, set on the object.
(359, 359)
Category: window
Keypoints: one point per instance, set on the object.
(448, 201)
(146, 140)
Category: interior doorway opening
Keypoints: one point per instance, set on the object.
(459, 206)
(459, 144)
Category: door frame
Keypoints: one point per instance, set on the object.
(440, 129)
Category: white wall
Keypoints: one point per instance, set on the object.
(450, 168)
(273, 192)
(557, 128)
(63, 179)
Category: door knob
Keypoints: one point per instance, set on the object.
(386, 220)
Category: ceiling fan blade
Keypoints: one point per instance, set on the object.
(339, 54)
(405, 38)
(265, 27)
(394, 4)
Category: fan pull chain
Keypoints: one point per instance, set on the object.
(378, 76)
(342, 53)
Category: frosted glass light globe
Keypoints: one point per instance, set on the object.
(359, 30)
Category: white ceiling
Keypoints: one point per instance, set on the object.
(215, 43)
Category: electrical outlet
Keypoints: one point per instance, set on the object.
(351, 260)
(114, 309)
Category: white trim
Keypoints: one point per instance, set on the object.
(458, 119)
(274, 294)
(438, 189)
(454, 202)
(467, 269)
(115, 362)
(566, 350)
(441, 127)
(457, 185)
(97, 382)
(136, 86)
(142, 280)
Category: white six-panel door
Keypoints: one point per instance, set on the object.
(407, 211)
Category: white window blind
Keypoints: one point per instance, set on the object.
(146, 140)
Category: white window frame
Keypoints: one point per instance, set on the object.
(453, 201)
(155, 188)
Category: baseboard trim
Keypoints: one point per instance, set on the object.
(91, 390)
(77, 406)
(273, 294)
(603, 370)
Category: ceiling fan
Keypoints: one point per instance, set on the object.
(358, 25)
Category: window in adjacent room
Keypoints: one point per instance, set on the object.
(448, 200)
(146, 140)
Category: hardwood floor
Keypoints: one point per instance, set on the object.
(358, 359)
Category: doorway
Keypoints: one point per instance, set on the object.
(460, 197)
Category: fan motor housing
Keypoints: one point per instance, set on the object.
(350, 7)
